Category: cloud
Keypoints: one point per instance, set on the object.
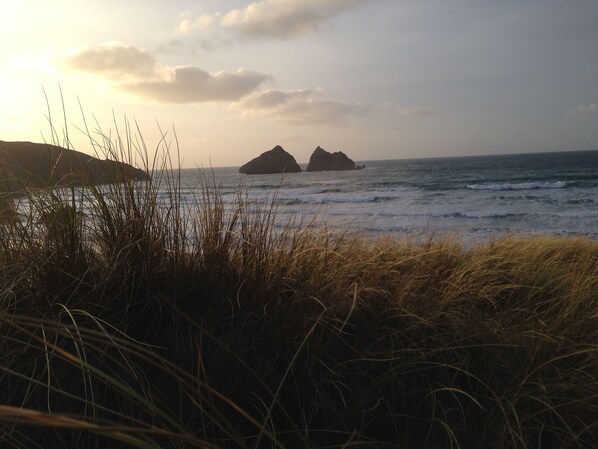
(137, 72)
(583, 110)
(112, 60)
(300, 107)
(307, 107)
(413, 110)
(418, 111)
(272, 19)
(194, 85)
(174, 47)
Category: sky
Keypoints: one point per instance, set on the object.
(377, 79)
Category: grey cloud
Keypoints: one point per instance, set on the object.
(276, 19)
(174, 47)
(273, 98)
(206, 45)
(401, 110)
(113, 60)
(136, 71)
(300, 107)
(582, 110)
(193, 85)
(320, 112)
(418, 111)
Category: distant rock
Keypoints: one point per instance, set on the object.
(27, 165)
(277, 160)
(322, 160)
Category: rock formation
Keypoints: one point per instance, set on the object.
(26, 164)
(277, 160)
(321, 160)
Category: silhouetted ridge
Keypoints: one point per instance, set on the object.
(27, 164)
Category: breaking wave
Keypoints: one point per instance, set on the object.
(519, 186)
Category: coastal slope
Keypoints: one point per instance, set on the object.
(33, 165)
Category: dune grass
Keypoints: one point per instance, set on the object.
(147, 323)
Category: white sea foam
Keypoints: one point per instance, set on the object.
(576, 214)
(519, 186)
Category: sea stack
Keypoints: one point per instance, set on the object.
(322, 160)
(277, 160)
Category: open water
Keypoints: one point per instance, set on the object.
(475, 198)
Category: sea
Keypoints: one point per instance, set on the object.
(470, 198)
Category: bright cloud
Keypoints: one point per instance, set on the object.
(135, 71)
(583, 110)
(272, 19)
(193, 85)
(113, 60)
(300, 107)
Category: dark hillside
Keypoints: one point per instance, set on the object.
(27, 164)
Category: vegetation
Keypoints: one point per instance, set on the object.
(127, 320)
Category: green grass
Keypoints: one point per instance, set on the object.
(191, 325)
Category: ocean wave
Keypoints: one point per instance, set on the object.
(580, 201)
(335, 200)
(381, 199)
(576, 214)
(519, 186)
(472, 214)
